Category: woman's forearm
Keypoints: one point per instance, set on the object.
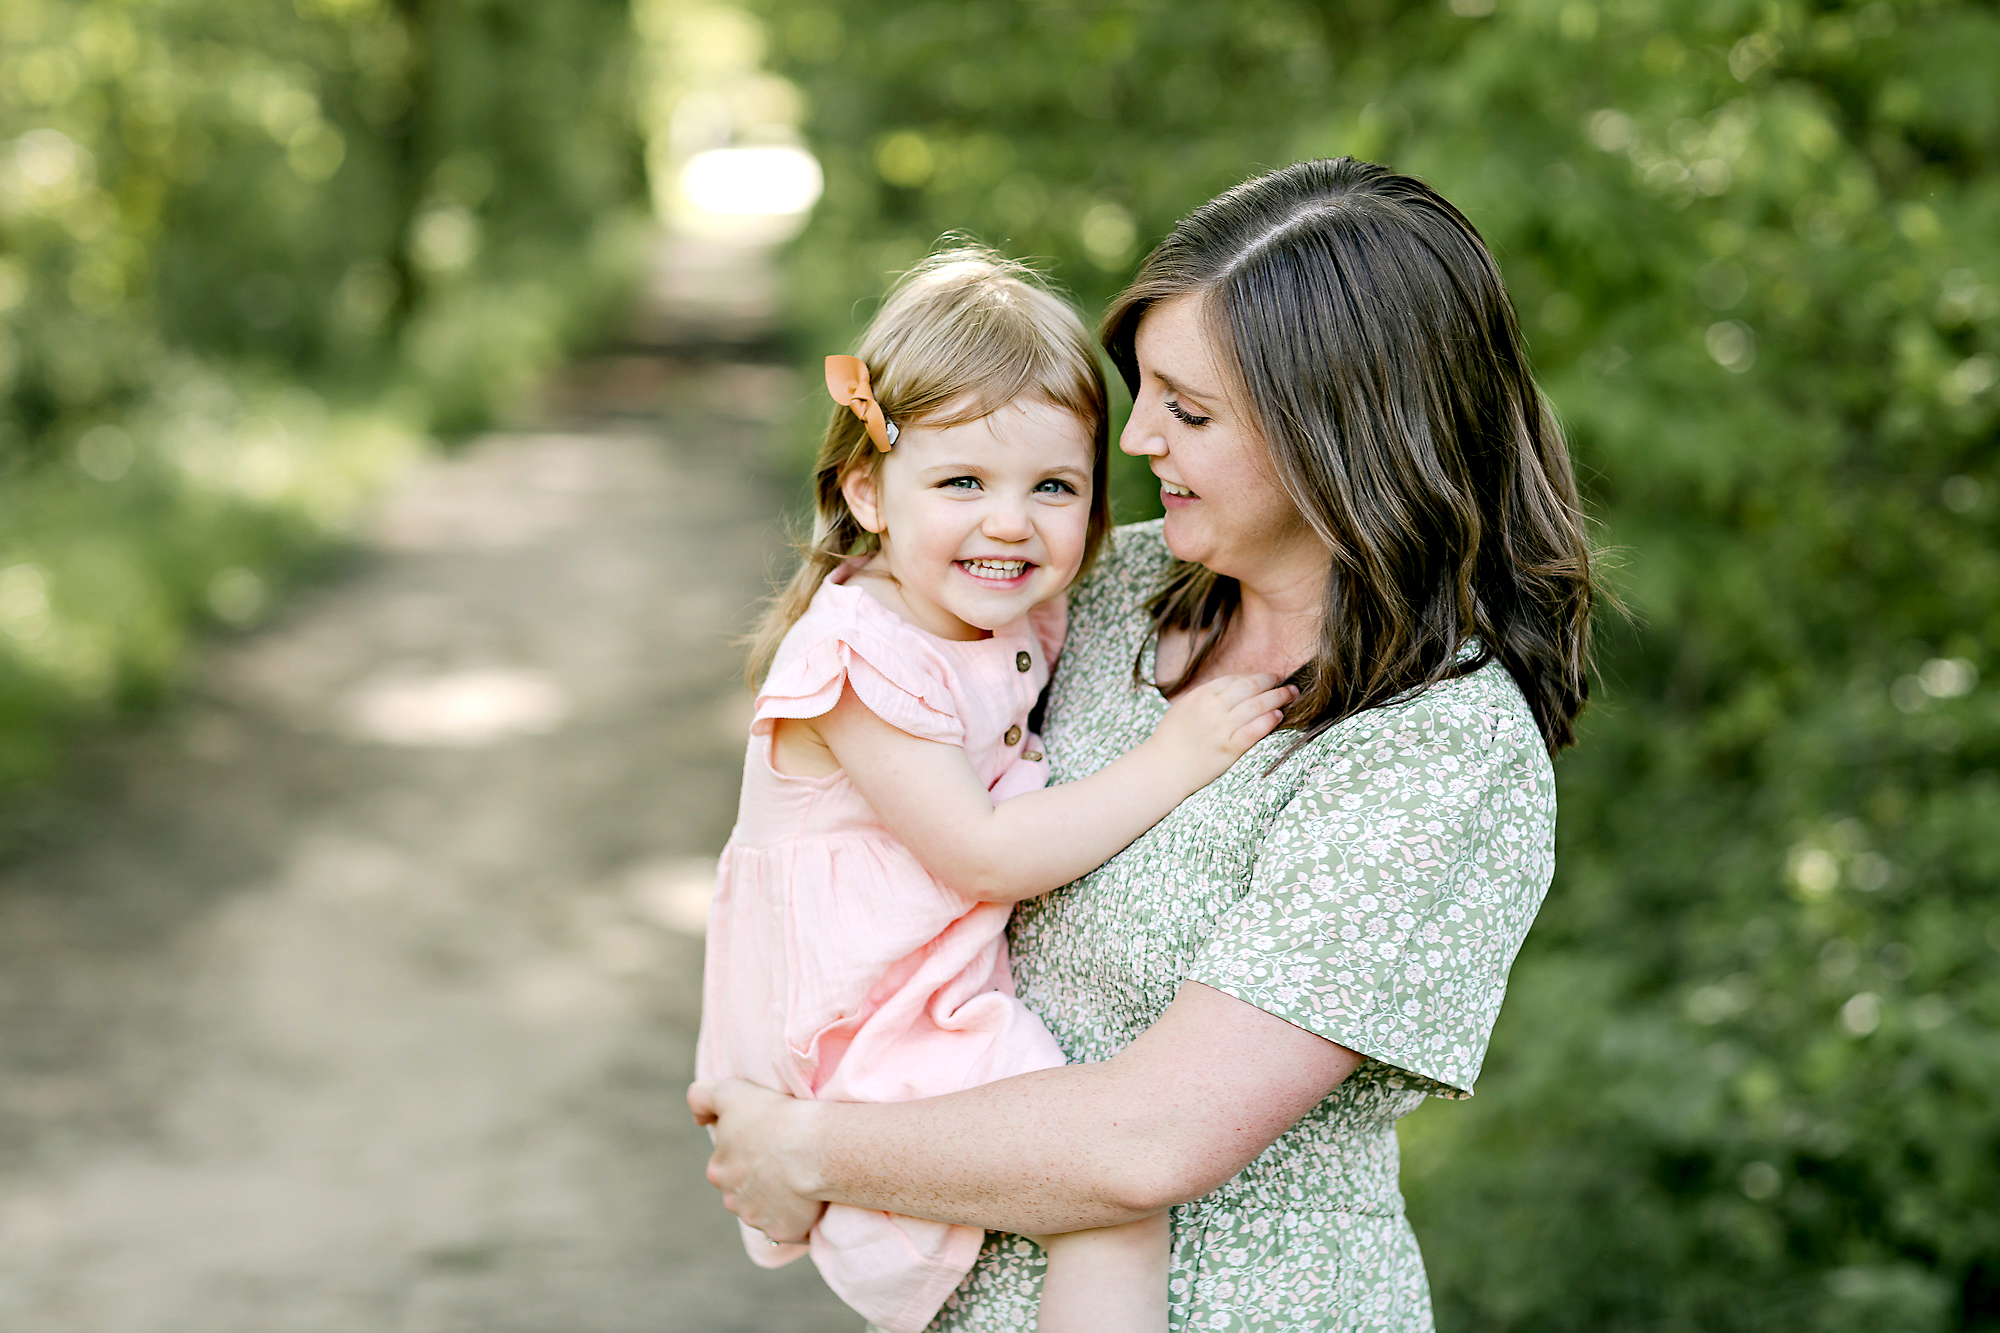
(1036, 1154)
(1173, 1116)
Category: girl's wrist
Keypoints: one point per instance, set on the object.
(1169, 764)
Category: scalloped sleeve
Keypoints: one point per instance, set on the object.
(891, 676)
(1392, 893)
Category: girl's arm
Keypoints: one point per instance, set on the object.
(927, 795)
(1173, 1116)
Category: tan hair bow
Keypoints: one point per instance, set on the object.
(847, 381)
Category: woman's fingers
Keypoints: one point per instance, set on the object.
(746, 1166)
(713, 1098)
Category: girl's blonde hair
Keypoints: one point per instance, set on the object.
(962, 334)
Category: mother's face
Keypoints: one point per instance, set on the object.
(1225, 508)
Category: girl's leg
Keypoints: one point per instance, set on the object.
(1110, 1280)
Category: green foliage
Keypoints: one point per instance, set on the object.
(1746, 1074)
(249, 254)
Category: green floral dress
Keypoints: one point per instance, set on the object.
(1374, 890)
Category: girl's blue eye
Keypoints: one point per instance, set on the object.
(960, 483)
(1055, 486)
(1187, 417)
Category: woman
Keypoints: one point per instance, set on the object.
(1365, 494)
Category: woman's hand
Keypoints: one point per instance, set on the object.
(759, 1155)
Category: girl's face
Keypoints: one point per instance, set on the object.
(1225, 508)
(982, 520)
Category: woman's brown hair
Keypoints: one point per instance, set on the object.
(962, 334)
(1378, 353)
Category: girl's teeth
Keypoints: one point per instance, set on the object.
(997, 569)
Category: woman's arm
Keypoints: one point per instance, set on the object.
(927, 795)
(1171, 1117)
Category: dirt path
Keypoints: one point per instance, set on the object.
(367, 1001)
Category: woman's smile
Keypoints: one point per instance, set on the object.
(1189, 421)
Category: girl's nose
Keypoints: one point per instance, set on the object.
(1008, 521)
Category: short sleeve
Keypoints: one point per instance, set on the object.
(1391, 895)
(891, 677)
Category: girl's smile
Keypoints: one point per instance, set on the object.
(979, 521)
(996, 573)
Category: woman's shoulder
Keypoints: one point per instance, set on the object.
(1130, 569)
(1480, 713)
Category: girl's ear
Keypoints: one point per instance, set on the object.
(857, 484)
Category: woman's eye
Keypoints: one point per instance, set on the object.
(1187, 417)
(1054, 486)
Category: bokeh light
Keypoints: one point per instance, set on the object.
(776, 181)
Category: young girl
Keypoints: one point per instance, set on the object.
(894, 803)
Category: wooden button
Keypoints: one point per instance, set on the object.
(1022, 661)
(1013, 736)
(1032, 756)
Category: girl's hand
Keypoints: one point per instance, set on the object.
(1212, 724)
(760, 1143)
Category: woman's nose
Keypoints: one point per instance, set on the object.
(1140, 438)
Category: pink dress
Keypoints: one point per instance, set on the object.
(838, 967)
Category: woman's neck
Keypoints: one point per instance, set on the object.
(1275, 632)
(1276, 628)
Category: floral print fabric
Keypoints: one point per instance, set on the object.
(1373, 889)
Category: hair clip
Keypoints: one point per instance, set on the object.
(847, 381)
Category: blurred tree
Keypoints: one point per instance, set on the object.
(248, 255)
(1745, 1079)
